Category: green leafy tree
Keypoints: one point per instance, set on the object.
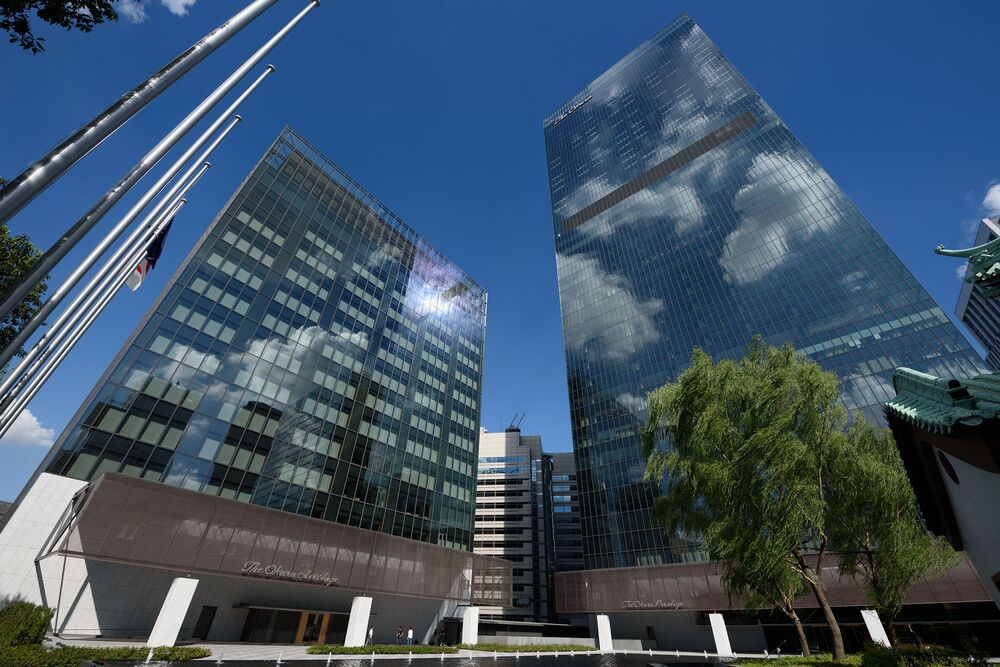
(874, 524)
(17, 253)
(81, 15)
(746, 469)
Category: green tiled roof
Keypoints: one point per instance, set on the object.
(984, 266)
(937, 404)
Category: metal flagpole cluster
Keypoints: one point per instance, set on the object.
(33, 180)
(21, 385)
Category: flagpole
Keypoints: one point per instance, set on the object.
(38, 176)
(64, 288)
(57, 296)
(60, 248)
(11, 413)
(137, 242)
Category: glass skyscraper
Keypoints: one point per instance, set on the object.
(312, 354)
(687, 214)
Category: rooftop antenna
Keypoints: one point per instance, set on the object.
(515, 422)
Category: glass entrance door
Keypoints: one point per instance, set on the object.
(312, 628)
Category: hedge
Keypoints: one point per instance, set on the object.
(880, 656)
(23, 623)
(72, 656)
(323, 649)
(525, 648)
(815, 660)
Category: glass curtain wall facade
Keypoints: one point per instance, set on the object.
(312, 354)
(687, 214)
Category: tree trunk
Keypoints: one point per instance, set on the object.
(890, 628)
(824, 604)
(802, 634)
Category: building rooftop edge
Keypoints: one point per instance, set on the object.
(681, 19)
(379, 207)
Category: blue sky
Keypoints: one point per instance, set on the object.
(437, 108)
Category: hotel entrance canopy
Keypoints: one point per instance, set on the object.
(123, 519)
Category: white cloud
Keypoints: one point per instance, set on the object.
(612, 317)
(178, 7)
(775, 209)
(28, 431)
(133, 10)
(991, 202)
(960, 271)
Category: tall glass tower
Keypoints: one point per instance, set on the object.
(687, 214)
(312, 354)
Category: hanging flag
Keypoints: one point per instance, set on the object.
(147, 263)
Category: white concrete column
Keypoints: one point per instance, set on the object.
(721, 635)
(357, 626)
(604, 642)
(470, 625)
(874, 626)
(171, 616)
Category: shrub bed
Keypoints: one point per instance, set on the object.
(815, 660)
(323, 649)
(507, 648)
(23, 623)
(880, 656)
(72, 656)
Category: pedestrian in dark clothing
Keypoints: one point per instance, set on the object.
(399, 634)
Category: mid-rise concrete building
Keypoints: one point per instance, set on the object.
(566, 539)
(512, 520)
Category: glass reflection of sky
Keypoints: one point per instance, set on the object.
(743, 235)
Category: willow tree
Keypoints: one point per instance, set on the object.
(743, 449)
(874, 524)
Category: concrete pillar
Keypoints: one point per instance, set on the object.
(604, 642)
(171, 616)
(357, 626)
(470, 625)
(874, 626)
(721, 635)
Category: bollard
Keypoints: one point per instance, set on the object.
(706, 654)
(678, 653)
(149, 658)
(329, 657)
(218, 660)
(280, 655)
(538, 654)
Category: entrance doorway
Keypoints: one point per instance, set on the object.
(294, 626)
(312, 628)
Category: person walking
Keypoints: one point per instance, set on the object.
(399, 634)
(371, 635)
(409, 636)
